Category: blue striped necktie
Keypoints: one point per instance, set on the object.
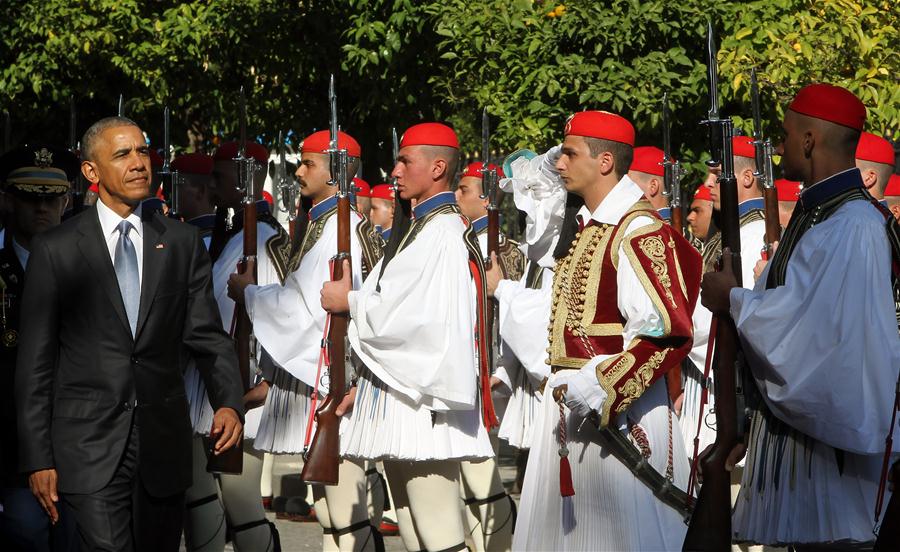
(126, 266)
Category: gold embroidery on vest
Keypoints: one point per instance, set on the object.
(655, 250)
(637, 384)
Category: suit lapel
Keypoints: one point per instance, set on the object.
(95, 251)
(155, 256)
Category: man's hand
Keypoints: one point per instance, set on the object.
(495, 382)
(43, 487)
(493, 275)
(334, 294)
(347, 402)
(256, 397)
(227, 428)
(735, 456)
(716, 286)
(761, 264)
(678, 404)
(239, 281)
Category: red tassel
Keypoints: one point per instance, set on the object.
(565, 478)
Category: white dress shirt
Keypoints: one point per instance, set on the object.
(109, 223)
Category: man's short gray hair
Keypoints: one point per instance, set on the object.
(91, 135)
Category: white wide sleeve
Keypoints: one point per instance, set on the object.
(524, 317)
(288, 320)
(824, 347)
(417, 333)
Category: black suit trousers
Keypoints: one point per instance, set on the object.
(123, 516)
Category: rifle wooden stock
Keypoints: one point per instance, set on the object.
(322, 460)
(493, 231)
(678, 219)
(232, 460)
(710, 527)
(773, 225)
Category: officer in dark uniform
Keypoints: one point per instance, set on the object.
(36, 182)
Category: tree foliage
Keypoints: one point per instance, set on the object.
(531, 62)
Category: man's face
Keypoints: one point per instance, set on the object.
(699, 217)
(382, 212)
(712, 182)
(34, 215)
(313, 173)
(791, 148)
(468, 197)
(121, 165)
(414, 172)
(578, 170)
(225, 177)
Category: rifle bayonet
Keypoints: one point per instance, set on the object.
(121, 110)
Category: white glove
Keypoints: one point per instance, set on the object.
(584, 394)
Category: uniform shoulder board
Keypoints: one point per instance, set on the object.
(512, 258)
(372, 245)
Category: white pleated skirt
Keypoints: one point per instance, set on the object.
(517, 422)
(611, 509)
(388, 425)
(794, 492)
(284, 416)
(201, 412)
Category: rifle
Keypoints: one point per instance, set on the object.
(765, 173)
(78, 183)
(490, 191)
(168, 177)
(710, 523)
(322, 459)
(673, 171)
(285, 186)
(232, 460)
(121, 110)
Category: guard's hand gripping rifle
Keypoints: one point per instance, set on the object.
(169, 177)
(322, 458)
(672, 172)
(710, 524)
(765, 173)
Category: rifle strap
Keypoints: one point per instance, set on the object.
(324, 359)
(704, 398)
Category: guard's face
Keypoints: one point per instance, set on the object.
(121, 166)
(699, 216)
(712, 182)
(226, 181)
(468, 197)
(791, 149)
(576, 167)
(413, 172)
(313, 173)
(382, 212)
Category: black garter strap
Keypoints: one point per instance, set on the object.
(488, 500)
(201, 501)
(249, 525)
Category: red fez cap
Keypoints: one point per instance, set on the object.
(703, 193)
(830, 103)
(429, 134)
(229, 150)
(363, 188)
(742, 146)
(269, 199)
(193, 163)
(788, 190)
(383, 191)
(319, 142)
(648, 159)
(875, 149)
(474, 170)
(893, 186)
(156, 159)
(601, 124)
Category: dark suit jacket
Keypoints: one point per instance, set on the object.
(82, 378)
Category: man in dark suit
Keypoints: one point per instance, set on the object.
(115, 302)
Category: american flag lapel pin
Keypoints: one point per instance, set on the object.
(160, 246)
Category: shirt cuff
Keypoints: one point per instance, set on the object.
(736, 301)
(504, 284)
(586, 385)
(351, 301)
(250, 299)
